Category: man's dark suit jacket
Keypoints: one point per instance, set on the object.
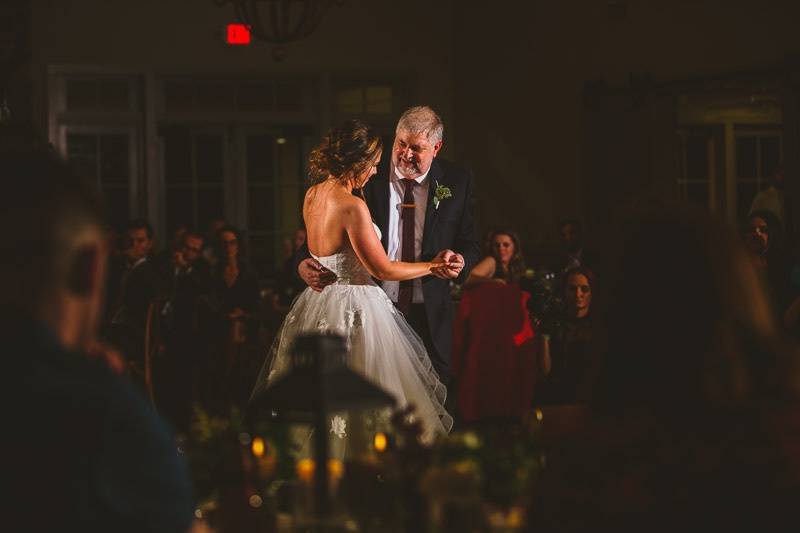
(451, 226)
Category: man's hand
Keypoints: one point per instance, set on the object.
(451, 264)
(315, 275)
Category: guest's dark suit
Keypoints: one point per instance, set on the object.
(451, 226)
(140, 285)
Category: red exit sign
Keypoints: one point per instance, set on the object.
(237, 34)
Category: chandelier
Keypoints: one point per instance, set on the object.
(280, 22)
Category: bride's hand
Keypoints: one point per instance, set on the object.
(314, 274)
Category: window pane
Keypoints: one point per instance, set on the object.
(177, 156)
(261, 208)
(210, 205)
(210, 158)
(260, 161)
(117, 202)
(745, 192)
(379, 100)
(179, 207)
(114, 160)
(746, 159)
(255, 96)
(350, 101)
(82, 153)
(696, 158)
(114, 95)
(81, 95)
(178, 96)
(770, 155)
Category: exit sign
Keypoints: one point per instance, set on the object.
(238, 34)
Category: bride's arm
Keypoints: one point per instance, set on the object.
(370, 252)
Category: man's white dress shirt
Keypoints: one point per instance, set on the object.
(395, 238)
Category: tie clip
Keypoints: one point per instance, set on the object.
(408, 205)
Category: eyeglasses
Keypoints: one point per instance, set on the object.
(192, 249)
(230, 242)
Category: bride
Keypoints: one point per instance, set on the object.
(343, 238)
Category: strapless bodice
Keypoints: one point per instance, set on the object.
(348, 268)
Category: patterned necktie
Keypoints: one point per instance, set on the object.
(407, 216)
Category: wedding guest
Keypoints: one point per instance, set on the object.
(503, 261)
(211, 250)
(187, 282)
(494, 355)
(764, 238)
(566, 352)
(693, 419)
(234, 301)
(83, 451)
(140, 285)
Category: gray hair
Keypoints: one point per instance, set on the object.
(422, 119)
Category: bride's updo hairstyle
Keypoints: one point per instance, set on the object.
(345, 152)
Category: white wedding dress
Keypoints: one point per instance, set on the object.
(382, 346)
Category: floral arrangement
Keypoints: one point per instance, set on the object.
(228, 459)
(482, 475)
(546, 303)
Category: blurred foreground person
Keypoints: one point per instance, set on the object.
(82, 450)
(693, 421)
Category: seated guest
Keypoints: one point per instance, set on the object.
(140, 285)
(233, 304)
(764, 238)
(693, 418)
(493, 353)
(503, 261)
(565, 355)
(187, 282)
(82, 449)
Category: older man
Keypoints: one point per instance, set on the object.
(423, 206)
(83, 451)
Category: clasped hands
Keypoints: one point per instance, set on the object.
(447, 264)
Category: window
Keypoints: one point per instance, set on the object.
(96, 125)
(758, 154)
(105, 157)
(194, 176)
(274, 166)
(696, 166)
(364, 100)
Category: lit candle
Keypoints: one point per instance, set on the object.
(380, 442)
(305, 470)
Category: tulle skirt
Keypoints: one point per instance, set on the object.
(382, 347)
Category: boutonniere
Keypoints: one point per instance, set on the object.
(440, 193)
